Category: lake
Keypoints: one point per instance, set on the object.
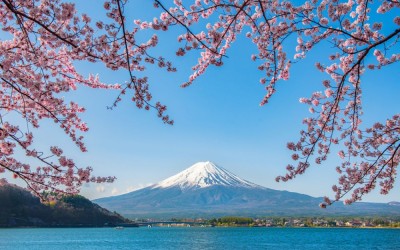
(199, 238)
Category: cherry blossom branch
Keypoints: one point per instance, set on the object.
(187, 28)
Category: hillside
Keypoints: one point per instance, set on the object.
(19, 208)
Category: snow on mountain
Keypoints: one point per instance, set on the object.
(205, 189)
(202, 175)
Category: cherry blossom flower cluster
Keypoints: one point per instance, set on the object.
(45, 38)
(370, 156)
(42, 41)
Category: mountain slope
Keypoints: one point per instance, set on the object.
(207, 190)
(19, 208)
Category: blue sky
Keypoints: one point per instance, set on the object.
(218, 119)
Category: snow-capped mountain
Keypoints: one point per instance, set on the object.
(203, 175)
(207, 190)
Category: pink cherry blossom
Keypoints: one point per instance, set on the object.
(44, 39)
(336, 115)
(40, 45)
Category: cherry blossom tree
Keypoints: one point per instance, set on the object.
(41, 41)
(370, 155)
(47, 37)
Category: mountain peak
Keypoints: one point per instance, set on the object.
(202, 175)
(207, 190)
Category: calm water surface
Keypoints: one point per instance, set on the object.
(199, 238)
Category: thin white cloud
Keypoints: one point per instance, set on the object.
(114, 191)
(137, 187)
(100, 189)
(131, 188)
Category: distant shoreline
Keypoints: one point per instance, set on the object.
(82, 227)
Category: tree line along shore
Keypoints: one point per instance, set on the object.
(320, 222)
